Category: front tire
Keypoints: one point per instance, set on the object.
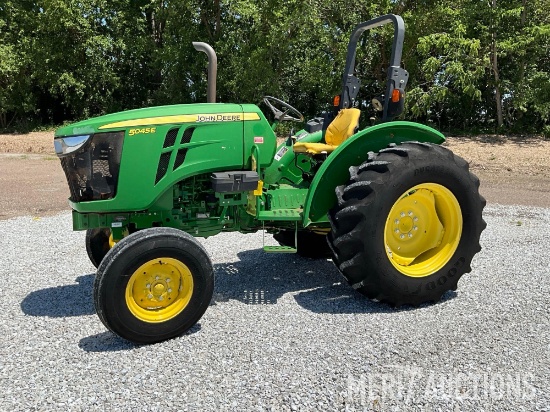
(153, 285)
(97, 244)
(407, 224)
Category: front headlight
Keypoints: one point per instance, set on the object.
(66, 145)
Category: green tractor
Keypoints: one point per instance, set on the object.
(400, 216)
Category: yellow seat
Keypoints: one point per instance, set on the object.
(342, 127)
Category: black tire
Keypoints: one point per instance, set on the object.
(97, 244)
(310, 245)
(361, 223)
(127, 299)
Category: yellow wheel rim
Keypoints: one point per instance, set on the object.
(159, 290)
(423, 230)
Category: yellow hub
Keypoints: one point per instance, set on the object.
(423, 230)
(112, 242)
(159, 290)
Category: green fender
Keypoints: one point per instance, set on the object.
(353, 152)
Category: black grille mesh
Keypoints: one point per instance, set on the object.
(92, 171)
(170, 138)
(180, 158)
(186, 138)
(163, 166)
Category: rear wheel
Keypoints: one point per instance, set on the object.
(153, 285)
(97, 244)
(407, 224)
(310, 245)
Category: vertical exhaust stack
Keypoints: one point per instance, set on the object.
(212, 69)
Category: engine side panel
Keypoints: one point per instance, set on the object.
(159, 151)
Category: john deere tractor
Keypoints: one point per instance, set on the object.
(399, 215)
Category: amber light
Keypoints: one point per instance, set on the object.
(336, 101)
(396, 95)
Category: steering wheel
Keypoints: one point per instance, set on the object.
(280, 115)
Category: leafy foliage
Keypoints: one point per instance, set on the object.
(474, 65)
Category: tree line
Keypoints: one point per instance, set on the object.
(475, 65)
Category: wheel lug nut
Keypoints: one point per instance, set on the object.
(415, 228)
(402, 214)
(402, 236)
(410, 235)
(149, 296)
(157, 277)
(415, 219)
(169, 290)
(410, 213)
(396, 221)
(148, 285)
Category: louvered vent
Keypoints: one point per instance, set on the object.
(180, 158)
(163, 166)
(170, 138)
(186, 138)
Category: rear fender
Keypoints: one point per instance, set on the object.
(353, 152)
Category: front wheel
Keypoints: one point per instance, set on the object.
(98, 243)
(153, 285)
(407, 224)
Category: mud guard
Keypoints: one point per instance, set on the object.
(353, 152)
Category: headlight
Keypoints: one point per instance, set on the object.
(66, 145)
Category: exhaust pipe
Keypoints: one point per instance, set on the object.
(212, 69)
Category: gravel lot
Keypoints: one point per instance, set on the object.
(282, 333)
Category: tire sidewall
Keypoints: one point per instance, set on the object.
(422, 171)
(121, 263)
(96, 239)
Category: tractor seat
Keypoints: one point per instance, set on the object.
(341, 128)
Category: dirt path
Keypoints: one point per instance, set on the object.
(511, 170)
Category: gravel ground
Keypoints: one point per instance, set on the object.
(282, 333)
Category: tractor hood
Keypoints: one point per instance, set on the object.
(160, 115)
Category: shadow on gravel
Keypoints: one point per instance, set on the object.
(109, 342)
(61, 301)
(105, 342)
(261, 278)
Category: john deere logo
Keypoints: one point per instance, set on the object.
(219, 118)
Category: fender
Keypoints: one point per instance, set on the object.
(353, 152)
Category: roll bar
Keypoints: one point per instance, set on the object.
(397, 77)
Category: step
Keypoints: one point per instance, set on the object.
(281, 214)
(279, 249)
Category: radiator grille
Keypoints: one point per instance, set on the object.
(92, 171)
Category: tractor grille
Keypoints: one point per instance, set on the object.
(92, 171)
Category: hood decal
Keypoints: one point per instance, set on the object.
(185, 118)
